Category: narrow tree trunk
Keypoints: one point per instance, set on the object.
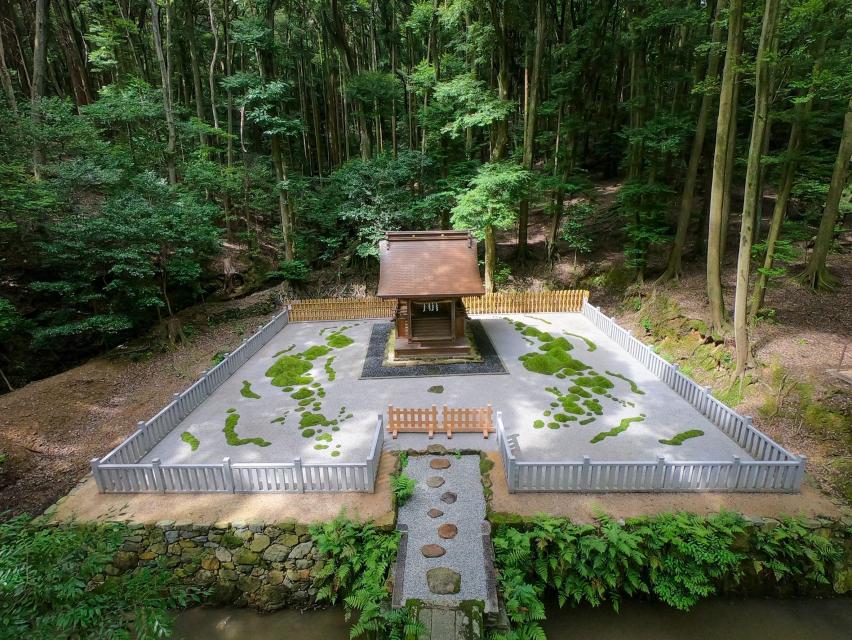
(490, 258)
(816, 274)
(501, 129)
(38, 77)
(751, 198)
(674, 268)
(211, 71)
(722, 167)
(6, 78)
(530, 125)
(165, 77)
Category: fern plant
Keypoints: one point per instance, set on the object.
(403, 488)
(358, 558)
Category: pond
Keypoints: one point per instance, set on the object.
(749, 619)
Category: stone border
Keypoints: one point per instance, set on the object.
(399, 567)
(491, 363)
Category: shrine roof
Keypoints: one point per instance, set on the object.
(428, 264)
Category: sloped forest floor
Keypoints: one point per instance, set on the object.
(51, 428)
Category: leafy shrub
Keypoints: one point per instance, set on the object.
(52, 585)
(403, 488)
(357, 561)
(679, 558)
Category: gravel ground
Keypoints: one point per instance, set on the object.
(373, 368)
(464, 552)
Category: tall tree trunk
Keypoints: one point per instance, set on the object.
(751, 199)
(195, 65)
(490, 258)
(722, 167)
(788, 174)
(673, 268)
(501, 129)
(211, 70)
(6, 78)
(530, 125)
(163, 59)
(816, 274)
(38, 77)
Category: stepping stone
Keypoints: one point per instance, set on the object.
(432, 550)
(448, 531)
(434, 513)
(435, 481)
(443, 581)
(439, 463)
(449, 497)
(436, 449)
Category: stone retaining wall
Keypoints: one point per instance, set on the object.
(266, 567)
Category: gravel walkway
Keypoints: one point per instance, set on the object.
(464, 553)
(373, 368)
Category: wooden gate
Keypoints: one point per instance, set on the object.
(458, 420)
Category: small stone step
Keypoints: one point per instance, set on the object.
(440, 463)
(443, 581)
(449, 497)
(432, 550)
(448, 531)
(434, 513)
(435, 481)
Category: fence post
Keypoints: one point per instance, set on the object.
(587, 473)
(146, 436)
(660, 473)
(800, 472)
(206, 384)
(96, 473)
(178, 408)
(298, 474)
(159, 480)
(735, 473)
(228, 475)
(708, 393)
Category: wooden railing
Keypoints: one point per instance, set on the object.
(453, 420)
(320, 309)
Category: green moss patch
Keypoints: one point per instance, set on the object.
(280, 419)
(587, 421)
(289, 371)
(338, 339)
(231, 410)
(246, 391)
(622, 426)
(329, 369)
(438, 388)
(591, 346)
(307, 433)
(326, 437)
(302, 394)
(538, 424)
(190, 439)
(310, 419)
(633, 386)
(283, 351)
(678, 439)
(233, 439)
(594, 382)
(317, 351)
(335, 454)
(320, 447)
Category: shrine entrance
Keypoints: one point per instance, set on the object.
(433, 320)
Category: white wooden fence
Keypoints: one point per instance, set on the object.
(228, 477)
(773, 468)
(120, 471)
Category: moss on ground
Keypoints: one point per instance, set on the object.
(317, 351)
(283, 351)
(438, 388)
(338, 340)
(190, 439)
(233, 439)
(303, 393)
(633, 386)
(591, 346)
(329, 369)
(246, 391)
(622, 427)
(680, 438)
(310, 419)
(289, 371)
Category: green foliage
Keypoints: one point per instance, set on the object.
(622, 426)
(678, 558)
(246, 391)
(52, 585)
(235, 440)
(403, 488)
(190, 439)
(680, 438)
(357, 560)
(633, 386)
(491, 200)
(289, 371)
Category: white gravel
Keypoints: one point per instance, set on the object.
(464, 552)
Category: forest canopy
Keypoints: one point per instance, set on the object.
(146, 145)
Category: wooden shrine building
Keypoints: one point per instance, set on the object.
(428, 272)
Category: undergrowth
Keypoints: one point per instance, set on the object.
(403, 488)
(678, 559)
(357, 560)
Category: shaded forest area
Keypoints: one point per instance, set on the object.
(155, 153)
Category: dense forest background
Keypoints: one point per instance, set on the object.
(156, 152)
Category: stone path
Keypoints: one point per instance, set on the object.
(445, 558)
